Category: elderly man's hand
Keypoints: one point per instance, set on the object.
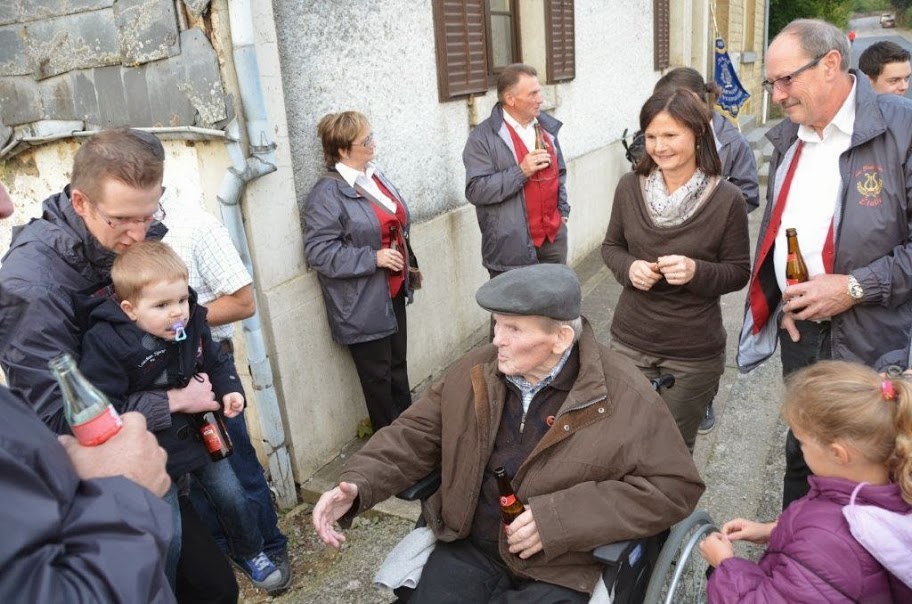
(523, 537)
(332, 505)
(534, 161)
(822, 297)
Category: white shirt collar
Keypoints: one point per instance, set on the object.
(843, 121)
(516, 125)
(351, 175)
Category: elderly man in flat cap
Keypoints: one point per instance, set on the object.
(594, 454)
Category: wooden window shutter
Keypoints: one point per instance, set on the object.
(661, 32)
(462, 56)
(560, 34)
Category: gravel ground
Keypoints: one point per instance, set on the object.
(323, 575)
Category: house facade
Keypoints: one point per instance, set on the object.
(235, 88)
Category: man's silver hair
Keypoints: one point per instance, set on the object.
(818, 37)
(576, 325)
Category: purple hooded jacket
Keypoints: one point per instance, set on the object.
(812, 556)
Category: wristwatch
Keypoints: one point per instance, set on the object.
(855, 290)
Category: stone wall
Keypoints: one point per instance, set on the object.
(90, 64)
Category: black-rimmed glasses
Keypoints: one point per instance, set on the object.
(785, 82)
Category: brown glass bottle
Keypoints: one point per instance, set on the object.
(795, 269)
(510, 506)
(394, 242)
(215, 436)
(539, 137)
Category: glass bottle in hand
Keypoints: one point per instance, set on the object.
(795, 269)
(90, 414)
(510, 506)
(215, 435)
(394, 242)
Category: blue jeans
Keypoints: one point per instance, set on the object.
(226, 496)
(172, 557)
(249, 472)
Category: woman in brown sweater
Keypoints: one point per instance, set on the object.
(677, 241)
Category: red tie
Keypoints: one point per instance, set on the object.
(758, 301)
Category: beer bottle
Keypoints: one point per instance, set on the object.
(215, 435)
(510, 506)
(795, 269)
(539, 137)
(90, 414)
(394, 242)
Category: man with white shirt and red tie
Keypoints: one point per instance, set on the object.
(515, 177)
(840, 175)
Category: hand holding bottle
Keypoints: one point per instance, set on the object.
(133, 453)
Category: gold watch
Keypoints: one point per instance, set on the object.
(855, 290)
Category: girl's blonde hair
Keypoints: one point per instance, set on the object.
(836, 400)
(144, 263)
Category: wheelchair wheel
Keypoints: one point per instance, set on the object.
(680, 571)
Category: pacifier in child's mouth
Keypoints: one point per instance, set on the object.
(180, 334)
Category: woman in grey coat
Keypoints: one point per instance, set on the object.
(355, 227)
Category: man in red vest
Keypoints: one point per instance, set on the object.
(515, 177)
(840, 175)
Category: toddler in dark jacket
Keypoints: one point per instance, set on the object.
(153, 336)
(848, 539)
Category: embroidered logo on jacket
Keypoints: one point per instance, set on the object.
(870, 185)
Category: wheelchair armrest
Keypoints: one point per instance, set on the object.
(617, 553)
(422, 489)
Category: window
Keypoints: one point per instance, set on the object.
(475, 39)
(503, 41)
(561, 40)
(661, 31)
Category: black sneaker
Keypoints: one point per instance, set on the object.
(709, 421)
(281, 562)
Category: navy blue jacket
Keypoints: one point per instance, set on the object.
(72, 540)
(120, 359)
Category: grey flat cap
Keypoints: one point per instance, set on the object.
(542, 290)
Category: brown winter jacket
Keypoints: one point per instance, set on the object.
(612, 467)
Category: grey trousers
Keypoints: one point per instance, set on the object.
(696, 383)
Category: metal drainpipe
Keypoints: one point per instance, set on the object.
(261, 161)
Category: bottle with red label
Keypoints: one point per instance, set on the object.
(90, 414)
(510, 506)
(795, 269)
(215, 436)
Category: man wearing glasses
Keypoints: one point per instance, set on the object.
(515, 177)
(112, 201)
(840, 174)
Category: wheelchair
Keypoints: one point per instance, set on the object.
(661, 569)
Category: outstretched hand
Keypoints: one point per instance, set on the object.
(332, 505)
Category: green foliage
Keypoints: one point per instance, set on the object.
(365, 429)
(837, 12)
(870, 6)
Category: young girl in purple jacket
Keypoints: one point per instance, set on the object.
(855, 429)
